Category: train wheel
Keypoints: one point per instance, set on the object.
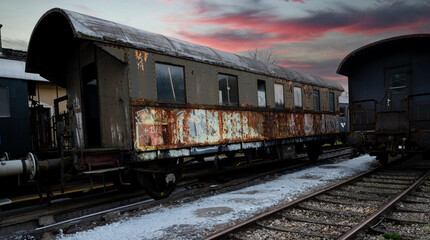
(313, 150)
(159, 185)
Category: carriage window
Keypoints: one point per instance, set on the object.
(170, 83)
(261, 93)
(279, 95)
(228, 92)
(4, 102)
(398, 80)
(316, 95)
(298, 102)
(331, 101)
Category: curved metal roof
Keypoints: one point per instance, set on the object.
(95, 29)
(343, 66)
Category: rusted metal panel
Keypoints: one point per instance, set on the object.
(151, 129)
(309, 124)
(116, 52)
(200, 80)
(158, 128)
(141, 75)
(332, 123)
(114, 101)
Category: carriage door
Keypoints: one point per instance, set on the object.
(397, 82)
(91, 105)
(394, 117)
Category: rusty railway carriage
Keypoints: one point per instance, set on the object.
(141, 102)
(389, 95)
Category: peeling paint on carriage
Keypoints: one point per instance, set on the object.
(141, 57)
(151, 128)
(160, 128)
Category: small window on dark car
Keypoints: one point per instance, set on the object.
(4, 102)
(170, 83)
(331, 101)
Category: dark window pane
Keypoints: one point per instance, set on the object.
(261, 93)
(331, 101)
(228, 90)
(398, 80)
(170, 83)
(316, 94)
(279, 95)
(4, 102)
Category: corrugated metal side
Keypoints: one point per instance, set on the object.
(114, 100)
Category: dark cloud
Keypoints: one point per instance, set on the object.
(242, 28)
(397, 15)
(389, 17)
(228, 39)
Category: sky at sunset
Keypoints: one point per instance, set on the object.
(308, 35)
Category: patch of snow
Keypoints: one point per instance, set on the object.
(16, 69)
(206, 213)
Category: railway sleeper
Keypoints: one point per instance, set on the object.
(411, 220)
(298, 230)
(329, 199)
(401, 208)
(316, 220)
(333, 211)
(413, 199)
(421, 194)
(357, 196)
(382, 231)
(387, 181)
(393, 186)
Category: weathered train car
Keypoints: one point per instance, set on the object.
(389, 95)
(147, 101)
(14, 107)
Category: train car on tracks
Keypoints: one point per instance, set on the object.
(389, 96)
(140, 104)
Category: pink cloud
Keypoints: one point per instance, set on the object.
(299, 1)
(227, 40)
(276, 29)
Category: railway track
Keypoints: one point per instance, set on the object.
(64, 214)
(386, 202)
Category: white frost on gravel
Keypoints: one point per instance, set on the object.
(198, 216)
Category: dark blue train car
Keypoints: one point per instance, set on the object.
(389, 95)
(14, 111)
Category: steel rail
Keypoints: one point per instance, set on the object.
(386, 207)
(290, 204)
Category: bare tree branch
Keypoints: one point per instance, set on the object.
(263, 55)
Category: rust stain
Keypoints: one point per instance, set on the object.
(151, 129)
(159, 128)
(141, 56)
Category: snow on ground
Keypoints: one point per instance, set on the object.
(196, 217)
